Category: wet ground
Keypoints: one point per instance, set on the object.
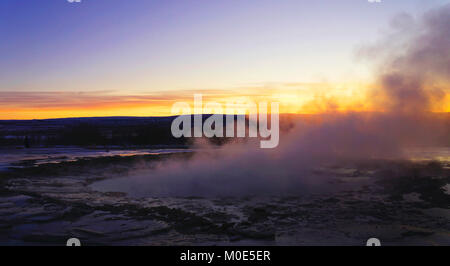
(399, 202)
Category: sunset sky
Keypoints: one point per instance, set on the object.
(136, 58)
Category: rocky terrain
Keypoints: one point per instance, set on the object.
(399, 202)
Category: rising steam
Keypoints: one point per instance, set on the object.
(414, 71)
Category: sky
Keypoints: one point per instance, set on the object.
(121, 57)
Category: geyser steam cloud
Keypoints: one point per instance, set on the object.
(413, 76)
(414, 72)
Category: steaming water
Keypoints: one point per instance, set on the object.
(151, 184)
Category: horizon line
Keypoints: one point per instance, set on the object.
(168, 116)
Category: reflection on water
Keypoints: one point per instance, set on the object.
(18, 158)
(437, 154)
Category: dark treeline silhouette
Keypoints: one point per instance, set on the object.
(107, 131)
(110, 131)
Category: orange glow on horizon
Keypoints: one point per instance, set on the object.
(296, 99)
